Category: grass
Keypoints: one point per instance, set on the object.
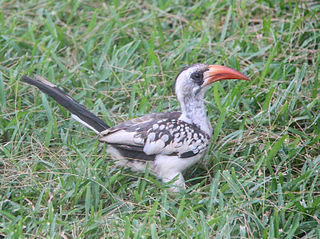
(260, 178)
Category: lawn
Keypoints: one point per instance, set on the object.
(260, 177)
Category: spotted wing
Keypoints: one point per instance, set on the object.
(176, 137)
(145, 137)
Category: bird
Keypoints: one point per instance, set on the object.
(167, 143)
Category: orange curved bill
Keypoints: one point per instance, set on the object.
(218, 73)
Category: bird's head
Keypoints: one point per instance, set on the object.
(192, 81)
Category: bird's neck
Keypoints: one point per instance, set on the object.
(194, 111)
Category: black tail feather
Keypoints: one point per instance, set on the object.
(68, 102)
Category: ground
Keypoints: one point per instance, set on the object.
(260, 177)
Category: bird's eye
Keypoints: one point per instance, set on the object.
(197, 77)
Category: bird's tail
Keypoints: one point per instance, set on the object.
(79, 112)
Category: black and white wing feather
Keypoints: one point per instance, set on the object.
(145, 137)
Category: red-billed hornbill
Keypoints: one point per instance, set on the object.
(170, 142)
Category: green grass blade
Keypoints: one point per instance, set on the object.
(2, 91)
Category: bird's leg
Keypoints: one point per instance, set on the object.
(177, 181)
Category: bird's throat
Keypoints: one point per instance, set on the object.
(194, 112)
